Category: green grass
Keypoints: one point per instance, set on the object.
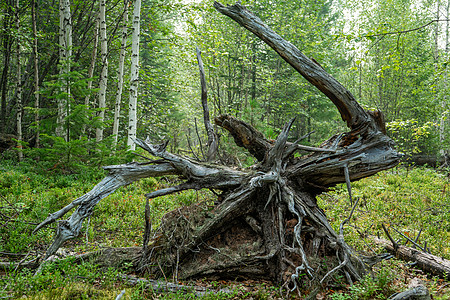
(409, 200)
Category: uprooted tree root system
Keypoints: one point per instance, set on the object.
(240, 249)
(265, 222)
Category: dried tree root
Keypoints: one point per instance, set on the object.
(267, 223)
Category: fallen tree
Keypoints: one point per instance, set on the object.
(266, 222)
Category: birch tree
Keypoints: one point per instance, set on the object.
(36, 70)
(104, 73)
(19, 84)
(443, 122)
(65, 55)
(91, 68)
(134, 78)
(120, 74)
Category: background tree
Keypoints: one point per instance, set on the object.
(19, 82)
(120, 75)
(36, 71)
(134, 78)
(103, 83)
(7, 41)
(65, 61)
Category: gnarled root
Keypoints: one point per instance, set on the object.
(287, 240)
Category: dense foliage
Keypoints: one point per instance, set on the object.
(392, 55)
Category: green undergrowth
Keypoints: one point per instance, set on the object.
(27, 198)
(67, 280)
(409, 200)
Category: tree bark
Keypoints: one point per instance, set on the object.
(123, 50)
(427, 262)
(36, 72)
(266, 222)
(134, 77)
(91, 68)
(104, 74)
(443, 121)
(19, 85)
(212, 136)
(65, 57)
(7, 44)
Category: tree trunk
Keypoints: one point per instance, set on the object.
(7, 44)
(123, 50)
(91, 68)
(443, 122)
(212, 137)
(19, 86)
(427, 262)
(65, 57)
(134, 77)
(266, 222)
(36, 72)
(104, 74)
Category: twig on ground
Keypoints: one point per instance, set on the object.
(418, 235)
(406, 237)
(394, 244)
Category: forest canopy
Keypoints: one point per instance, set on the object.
(391, 55)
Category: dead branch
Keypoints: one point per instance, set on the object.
(212, 137)
(427, 262)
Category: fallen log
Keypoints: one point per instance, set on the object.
(425, 160)
(427, 262)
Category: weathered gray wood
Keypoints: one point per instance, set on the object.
(416, 291)
(198, 175)
(363, 153)
(369, 154)
(119, 175)
(427, 262)
(213, 142)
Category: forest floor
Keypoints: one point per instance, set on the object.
(409, 200)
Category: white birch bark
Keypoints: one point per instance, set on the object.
(19, 86)
(36, 72)
(445, 113)
(91, 69)
(134, 78)
(65, 56)
(120, 75)
(104, 74)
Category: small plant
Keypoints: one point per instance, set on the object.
(341, 296)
